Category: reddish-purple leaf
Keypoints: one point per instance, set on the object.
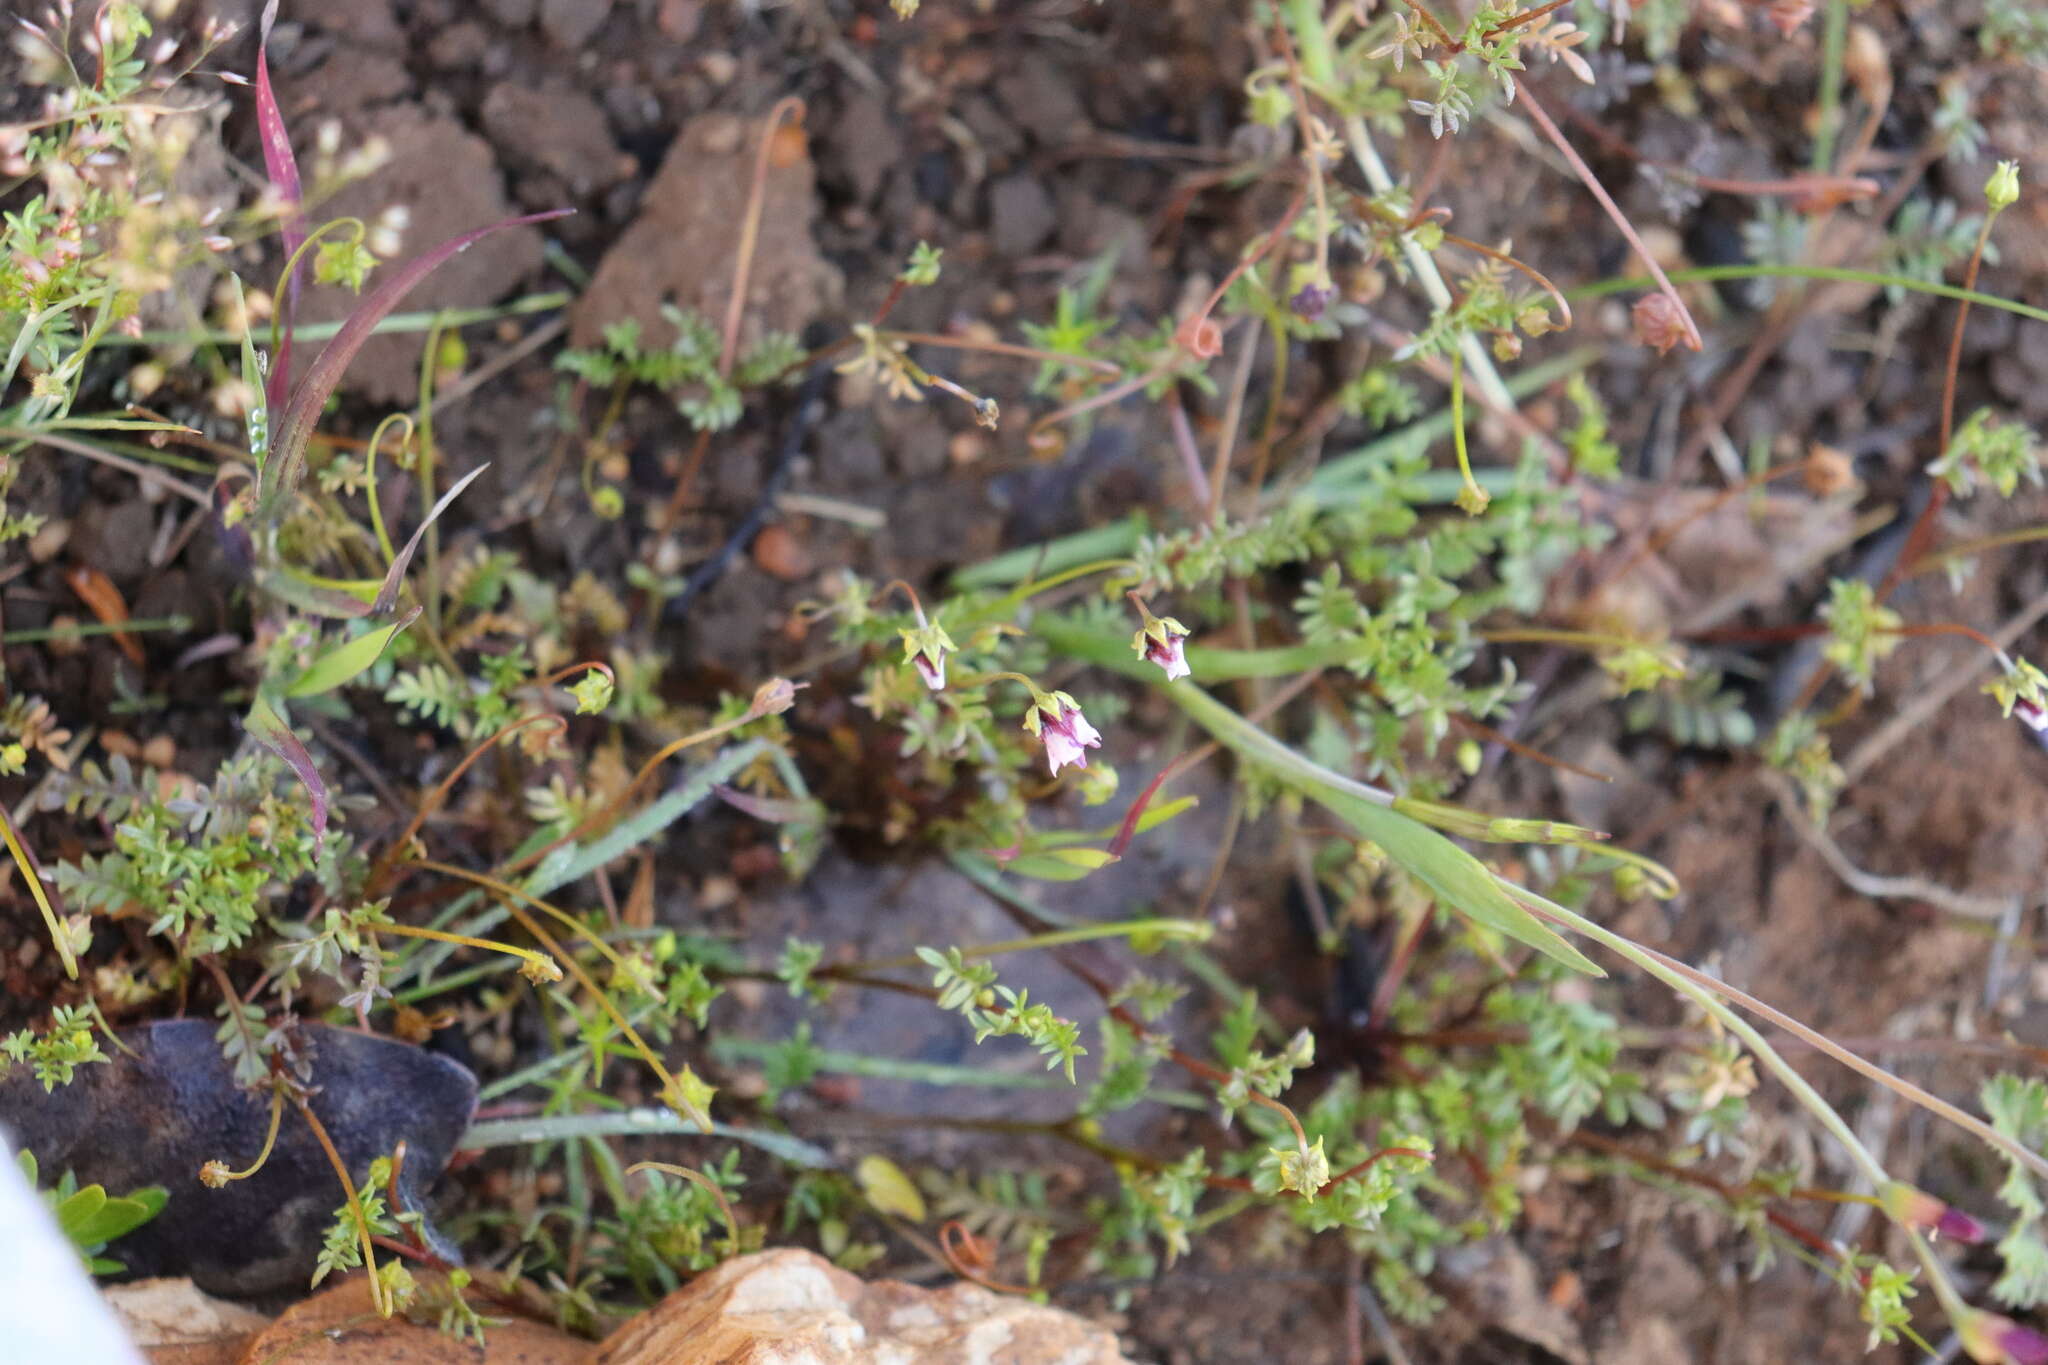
(773, 810)
(291, 431)
(283, 170)
(273, 732)
(387, 596)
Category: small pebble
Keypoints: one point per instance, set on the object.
(780, 554)
(47, 542)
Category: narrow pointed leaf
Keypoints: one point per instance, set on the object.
(348, 659)
(345, 599)
(1459, 880)
(268, 727)
(283, 169)
(388, 594)
(294, 427)
(1048, 867)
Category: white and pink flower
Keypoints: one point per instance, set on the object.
(1057, 721)
(1168, 649)
(927, 647)
(1163, 641)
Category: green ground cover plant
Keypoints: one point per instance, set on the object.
(1329, 630)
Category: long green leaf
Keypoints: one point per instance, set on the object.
(1459, 880)
(345, 661)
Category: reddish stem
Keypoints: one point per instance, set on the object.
(1613, 210)
(1922, 534)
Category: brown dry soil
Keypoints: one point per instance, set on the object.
(1029, 138)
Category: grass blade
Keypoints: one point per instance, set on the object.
(294, 428)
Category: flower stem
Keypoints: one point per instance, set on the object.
(540, 960)
(1081, 933)
(223, 1176)
(31, 874)
(355, 1205)
(1707, 274)
(515, 900)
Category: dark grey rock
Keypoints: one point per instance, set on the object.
(156, 1117)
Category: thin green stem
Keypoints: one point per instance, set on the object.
(291, 266)
(370, 479)
(1080, 933)
(1828, 119)
(642, 1122)
(1711, 273)
(1471, 497)
(325, 331)
(36, 634)
(1585, 639)
(25, 862)
(430, 592)
(538, 966)
(220, 1175)
(1706, 993)
(1963, 549)
(378, 1294)
(1024, 592)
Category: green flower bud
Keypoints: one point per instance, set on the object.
(2002, 190)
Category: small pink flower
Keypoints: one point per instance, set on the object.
(927, 648)
(1918, 1209)
(1065, 732)
(1994, 1340)
(2034, 718)
(1163, 641)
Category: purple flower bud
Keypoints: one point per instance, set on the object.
(1918, 1209)
(1994, 1340)
(1310, 302)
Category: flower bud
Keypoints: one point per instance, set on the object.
(1994, 1340)
(1659, 322)
(926, 648)
(773, 697)
(1162, 640)
(540, 969)
(1310, 301)
(2002, 190)
(1918, 1209)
